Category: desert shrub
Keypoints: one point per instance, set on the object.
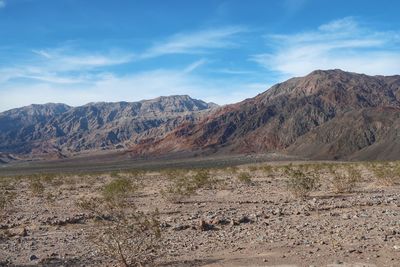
(345, 181)
(253, 168)
(115, 174)
(301, 184)
(202, 179)
(6, 198)
(134, 173)
(244, 177)
(123, 233)
(232, 170)
(386, 173)
(267, 169)
(36, 186)
(183, 185)
(117, 189)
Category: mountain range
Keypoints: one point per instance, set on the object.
(328, 114)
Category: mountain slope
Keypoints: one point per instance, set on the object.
(61, 130)
(325, 115)
(291, 117)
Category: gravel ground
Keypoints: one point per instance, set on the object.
(232, 223)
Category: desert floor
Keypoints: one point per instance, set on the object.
(236, 216)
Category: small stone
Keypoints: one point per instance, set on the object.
(245, 219)
(204, 226)
(33, 258)
(181, 227)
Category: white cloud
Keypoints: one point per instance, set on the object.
(2, 3)
(56, 65)
(195, 65)
(144, 85)
(340, 44)
(69, 75)
(195, 42)
(64, 59)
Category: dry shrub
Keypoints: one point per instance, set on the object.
(386, 173)
(183, 185)
(123, 233)
(301, 184)
(345, 180)
(36, 186)
(244, 177)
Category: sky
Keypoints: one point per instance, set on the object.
(222, 51)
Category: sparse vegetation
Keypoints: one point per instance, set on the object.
(345, 181)
(118, 189)
(184, 185)
(123, 233)
(244, 177)
(386, 173)
(36, 187)
(116, 216)
(301, 184)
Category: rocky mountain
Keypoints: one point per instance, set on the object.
(60, 130)
(325, 115)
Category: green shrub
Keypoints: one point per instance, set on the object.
(301, 184)
(117, 189)
(253, 168)
(267, 169)
(123, 233)
(244, 177)
(183, 185)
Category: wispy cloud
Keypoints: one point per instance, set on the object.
(2, 3)
(340, 44)
(195, 42)
(67, 59)
(195, 65)
(56, 65)
(71, 75)
(133, 87)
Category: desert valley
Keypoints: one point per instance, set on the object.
(300, 175)
(212, 133)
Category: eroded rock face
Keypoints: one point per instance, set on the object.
(60, 130)
(325, 115)
(334, 113)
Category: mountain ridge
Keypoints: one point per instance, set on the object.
(60, 130)
(276, 119)
(327, 114)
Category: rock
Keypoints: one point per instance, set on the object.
(164, 225)
(204, 226)
(33, 258)
(181, 227)
(221, 221)
(245, 219)
(19, 232)
(346, 217)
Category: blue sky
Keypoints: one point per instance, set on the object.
(80, 51)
